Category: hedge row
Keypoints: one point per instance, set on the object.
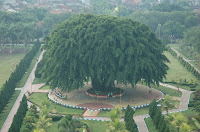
(19, 116)
(157, 117)
(9, 87)
(188, 66)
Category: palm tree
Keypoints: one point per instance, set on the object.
(185, 128)
(177, 119)
(167, 103)
(11, 35)
(43, 123)
(116, 125)
(27, 34)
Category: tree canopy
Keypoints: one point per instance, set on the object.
(104, 49)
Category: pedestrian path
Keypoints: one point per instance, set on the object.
(26, 88)
(90, 113)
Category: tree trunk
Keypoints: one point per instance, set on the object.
(100, 86)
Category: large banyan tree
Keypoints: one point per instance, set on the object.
(102, 49)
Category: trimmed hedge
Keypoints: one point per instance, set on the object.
(9, 87)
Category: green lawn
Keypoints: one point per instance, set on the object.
(94, 126)
(25, 77)
(8, 64)
(97, 126)
(38, 81)
(8, 107)
(39, 97)
(151, 127)
(176, 71)
(139, 111)
(169, 91)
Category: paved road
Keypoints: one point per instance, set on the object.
(27, 87)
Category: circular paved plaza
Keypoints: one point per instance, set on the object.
(134, 97)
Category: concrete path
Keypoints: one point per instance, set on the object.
(183, 106)
(26, 88)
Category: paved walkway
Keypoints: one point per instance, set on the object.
(140, 118)
(27, 87)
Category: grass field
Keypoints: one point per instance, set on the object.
(151, 127)
(94, 126)
(8, 107)
(177, 71)
(8, 64)
(39, 97)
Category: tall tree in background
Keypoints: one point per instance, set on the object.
(105, 49)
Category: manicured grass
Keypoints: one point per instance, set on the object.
(169, 91)
(151, 127)
(38, 81)
(26, 75)
(97, 126)
(45, 87)
(94, 126)
(8, 107)
(53, 127)
(8, 64)
(39, 97)
(139, 111)
(176, 70)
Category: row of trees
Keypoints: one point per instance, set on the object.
(8, 88)
(168, 25)
(186, 64)
(19, 116)
(27, 25)
(157, 117)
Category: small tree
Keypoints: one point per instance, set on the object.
(116, 125)
(167, 129)
(129, 121)
(167, 103)
(157, 118)
(152, 108)
(178, 119)
(163, 127)
(161, 122)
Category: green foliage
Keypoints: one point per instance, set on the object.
(167, 103)
(102, 48)
(153, 108)
(186, 64)
(129, 121)
(19, 116)
(10, 85)
(30, 119)
(115, 124)
(157, 118)
(67, 124)
(167, 8)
